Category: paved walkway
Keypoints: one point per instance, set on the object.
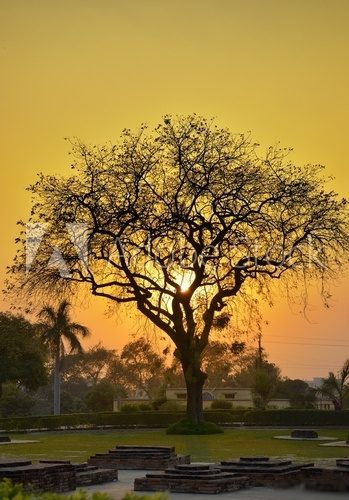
(118, 489)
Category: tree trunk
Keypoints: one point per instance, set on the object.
(337, 405)
(195, 380)
(56, 382)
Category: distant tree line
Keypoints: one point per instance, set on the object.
(91, 379)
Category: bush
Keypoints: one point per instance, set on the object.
(100, 397)
(158, 402)
(291, 417)
(221, 404)
(224, 416)
(154, 496)
(129, 408)
(15, 491)
(171, 406)
(125, 419)
(16, 402)
(130, 418)
(71, 403)
(145, 407)
(186, 427)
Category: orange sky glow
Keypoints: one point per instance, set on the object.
(89, 69)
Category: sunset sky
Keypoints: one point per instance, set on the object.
(89, 68)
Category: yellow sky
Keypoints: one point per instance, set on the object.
(90, 68)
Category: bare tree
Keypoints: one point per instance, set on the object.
(182, 222)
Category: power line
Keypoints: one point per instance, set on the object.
(310, 367)
(303, 338)
(304, 343)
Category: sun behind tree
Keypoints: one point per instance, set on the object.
(189, 199)
(57, 329)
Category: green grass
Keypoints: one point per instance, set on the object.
(78, 446)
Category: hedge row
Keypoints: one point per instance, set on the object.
(296, 417)
(285, 417)
(117, 419)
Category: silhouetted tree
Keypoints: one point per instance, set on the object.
(22, 354)
(261, 376)
(91, 365)
(264, 384)
(336, 387)
(58, 328)
(181, 223)
(220, 361)
(300, 394)
(101, 397)
(143, 368)
(16, 401)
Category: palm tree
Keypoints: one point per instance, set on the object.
(336, 387)
(58, 330)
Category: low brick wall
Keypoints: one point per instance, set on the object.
(59, 478)
(262, 471)
(87, 475)
(327, 478)
(200, 479)
(93, 475)
(138, 458)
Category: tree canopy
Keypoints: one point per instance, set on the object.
(22, 354)
(182, 222)
(58, 330)
(336, 387)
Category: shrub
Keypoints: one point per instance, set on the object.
(16, 401)
(186, 427)
(221, 404)
(129, 408)
(158, 402)
(145, 407)
(71, 403)
(123, 419)
(10, 491)
(100, 397)
(171, 406)
(224, 416)
(291, 417)
(155, 496)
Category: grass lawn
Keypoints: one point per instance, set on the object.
(79, 445)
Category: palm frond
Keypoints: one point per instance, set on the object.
(47, 314)
(63, 309)
(57, 327)
(73, 341)
(78, 329)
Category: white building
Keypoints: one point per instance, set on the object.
(238, 397)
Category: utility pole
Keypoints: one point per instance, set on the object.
(260, 350)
